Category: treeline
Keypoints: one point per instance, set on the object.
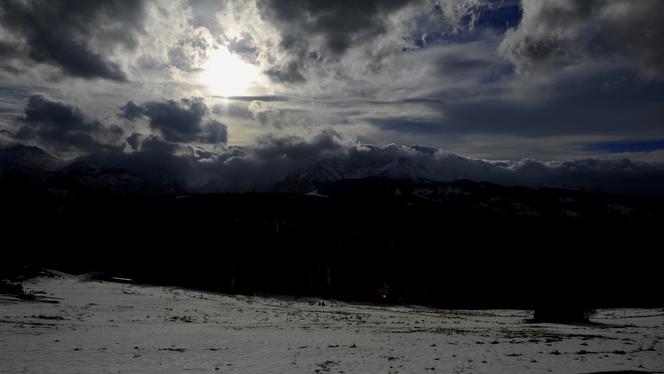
(368, 245)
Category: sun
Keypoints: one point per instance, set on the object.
(227, 74)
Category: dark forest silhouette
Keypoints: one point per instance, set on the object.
(376, 240)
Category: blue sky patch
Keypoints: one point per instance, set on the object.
(627, 146)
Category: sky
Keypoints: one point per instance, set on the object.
(281, 83)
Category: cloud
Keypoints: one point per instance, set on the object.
(571, 103)
(178, 121)
(338, 23)
(445, 73)
(77, 37)
(272, 156)
(255, 166)
(156, 161)
(131, 111)
(184, 120)
(216, 133)
(298, 148)
(564, 32)
(290, 73)
(408, 125)
(314, 35)
(191, 51)
(269, 115)
(154, 144)
(134, 140)
(327, 41)
(64, 127)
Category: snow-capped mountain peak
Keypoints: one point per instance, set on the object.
(80, 166)
(335, 169)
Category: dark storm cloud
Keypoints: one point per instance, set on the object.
(256, 166)
(9, 50)
(155, 161)
(216, 133)
(131, 111)
(75, 36)
(555, 33)
(298, 148)
(339, 24)
(134, 140)
(178, 121)
(64, 127)
(201, 153)
(183, 120)
(154, 144)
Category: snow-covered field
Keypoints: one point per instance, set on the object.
(104, 327)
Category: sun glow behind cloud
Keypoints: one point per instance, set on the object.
(227, 74)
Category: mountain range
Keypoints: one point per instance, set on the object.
(30, 165)
(25, 166)
(402, 180)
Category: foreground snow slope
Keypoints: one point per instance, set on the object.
(102, 327)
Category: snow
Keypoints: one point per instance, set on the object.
(316, 194)
(105, 327)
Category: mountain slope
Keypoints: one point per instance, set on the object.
(28, 157)
(23, 166)
(612, 176)
(483, 199)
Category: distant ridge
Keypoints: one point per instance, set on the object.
(28, 157)
(30, 166)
